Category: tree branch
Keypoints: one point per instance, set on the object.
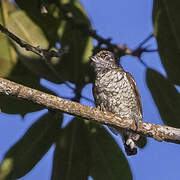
(43, 53)
(158, 132)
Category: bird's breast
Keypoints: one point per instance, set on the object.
(113, 93)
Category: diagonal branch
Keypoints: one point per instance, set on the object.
(158, 132)
(43, 53)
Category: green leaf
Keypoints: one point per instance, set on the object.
(7, 54)
(165, 96)
(43, 34)
(71, 157)
(108, 161)
(21, 25)
(167, 31)
(29, 150)
(47, 22)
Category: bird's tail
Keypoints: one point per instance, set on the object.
(129, 140)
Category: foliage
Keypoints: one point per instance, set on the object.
(166, 31)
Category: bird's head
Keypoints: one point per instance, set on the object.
(104, 60)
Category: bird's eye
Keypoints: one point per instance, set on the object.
(106, 57)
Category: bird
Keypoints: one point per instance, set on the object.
(115, 91)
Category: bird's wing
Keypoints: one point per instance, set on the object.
(133, 83)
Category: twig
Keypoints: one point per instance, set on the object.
(140, 49)
(158, 132)
(43, 53)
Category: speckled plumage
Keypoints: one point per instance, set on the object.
(115, 91)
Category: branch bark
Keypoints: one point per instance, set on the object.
(158, 132)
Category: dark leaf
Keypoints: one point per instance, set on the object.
(108, 161)
(71, 157)
(13, 105)
(85, 149)
(28, 151)
(165, 96)
(167, 31)
(142, 142)
(79, 44)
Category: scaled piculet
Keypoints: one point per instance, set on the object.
(115, 91)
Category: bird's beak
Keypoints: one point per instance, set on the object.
(92, 58)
